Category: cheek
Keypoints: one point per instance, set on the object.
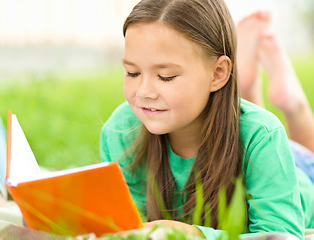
(194, 102)
(128, 91)
(189, 94)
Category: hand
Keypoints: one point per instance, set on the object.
(187, 228)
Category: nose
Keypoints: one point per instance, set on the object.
(146, 89)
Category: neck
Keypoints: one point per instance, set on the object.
(185, 145)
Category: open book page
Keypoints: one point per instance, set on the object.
(23, 165)
(65, 172)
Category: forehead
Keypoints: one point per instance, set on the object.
(151, 30)
(159, 40)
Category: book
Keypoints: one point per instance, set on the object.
(88, 199)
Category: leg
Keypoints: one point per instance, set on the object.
(285, 91)
(303, 158)
(249, 30)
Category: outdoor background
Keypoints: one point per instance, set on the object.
(60, 69)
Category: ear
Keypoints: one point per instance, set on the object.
(221, 73)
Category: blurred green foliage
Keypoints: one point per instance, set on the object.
(62, 119)
(62, 115)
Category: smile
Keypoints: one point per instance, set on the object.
(152, 111)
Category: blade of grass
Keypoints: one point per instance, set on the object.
(237, 211)
(199, 199)
(232, 218)
(157, 195)
(207, 221)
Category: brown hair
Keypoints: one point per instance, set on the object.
(208, 23)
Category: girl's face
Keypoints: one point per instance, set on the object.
(167, 81)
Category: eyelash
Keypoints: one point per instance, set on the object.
(165, 79)
(133, 75)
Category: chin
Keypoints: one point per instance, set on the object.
(156, 131)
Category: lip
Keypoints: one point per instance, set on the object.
(151, 111)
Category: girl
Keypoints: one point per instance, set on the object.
(183, 114)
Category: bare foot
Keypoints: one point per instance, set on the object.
(249, 30)
(285, 91)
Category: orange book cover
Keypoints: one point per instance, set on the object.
(89, 199)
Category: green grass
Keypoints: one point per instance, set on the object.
(62, 119)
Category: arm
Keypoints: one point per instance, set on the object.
(117, 135)
(271, 181)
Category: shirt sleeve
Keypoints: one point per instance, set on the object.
(114, 142)
(271, 182)
(117, 135)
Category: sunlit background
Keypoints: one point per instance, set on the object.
(41, 35)
(74, 34)
(60, 69)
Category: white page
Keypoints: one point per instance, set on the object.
(66, 171)
(23, 165)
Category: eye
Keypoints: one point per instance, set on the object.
(133, 75)
(166, 79)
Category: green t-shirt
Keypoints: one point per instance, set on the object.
(278, 202)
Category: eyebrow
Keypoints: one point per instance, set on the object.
(156, 66)
(166, 65)
(126, 62)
